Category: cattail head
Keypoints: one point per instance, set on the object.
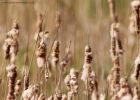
(88, 54)
(40, 62)
(71, 81)
(36, 89)
(135, 4)
(17, 88)
(11, 44)
(67, 81)
(88, 75)
(11, 69)
(124, 92)
(116, 46)
(12, 73)
(13, 51)
(14, 46)
(43, 35)
(46, 36)
(114, 80)
(56, 46)
(31, 93)
(136, 73)
(73, 73)
(92, 83)
(41, 54)
(28, 93)
(6, 48)
(74, 81)
(116, 51)
(14, 32)
(114, 29)
(55, 53)
(87, 63)
(116, 74)
(86, 71)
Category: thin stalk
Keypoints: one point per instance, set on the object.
(6, 81)
(58, 86)
(88, 96)
(55, 75)
(138, 46)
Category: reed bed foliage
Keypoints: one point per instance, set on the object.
(56, 71)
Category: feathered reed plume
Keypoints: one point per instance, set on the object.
(41, 39)
(93, 87)
(11, 49)
(32, 93)
(134, 25)
(125, 90)
(71, 81)
(116, 46)
(11, 44)
(136, 73)
(12, 74)
(55, 54)
(116, 51)
(41, 54)
(88, 75)
(17, 88)
(87, 64)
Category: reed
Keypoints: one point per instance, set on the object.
(57, 77)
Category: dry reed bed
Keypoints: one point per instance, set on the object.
(50, 66)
